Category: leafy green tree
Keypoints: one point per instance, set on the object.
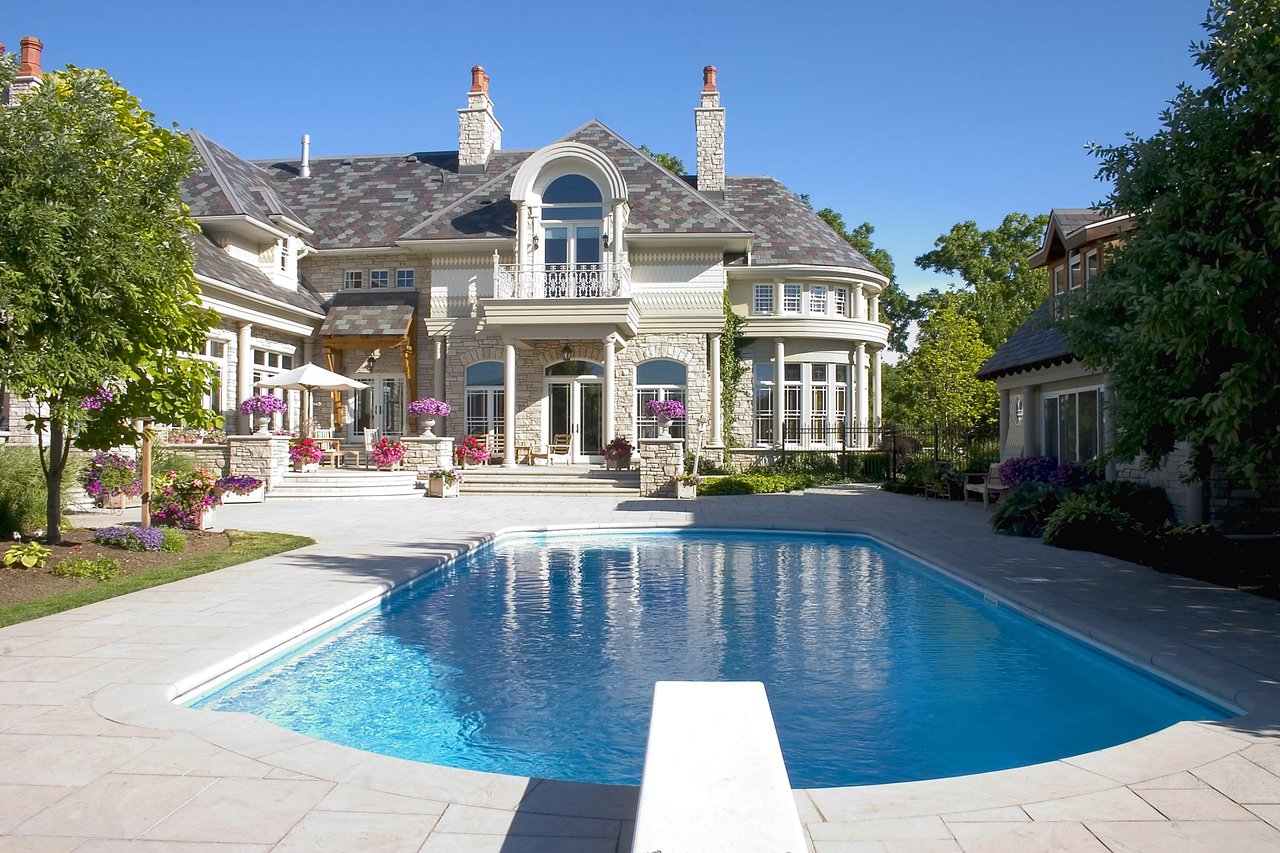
(98, 297)
(1186, 316)
(670, 162)
(999, 290)
(895, 306)
(935, 384)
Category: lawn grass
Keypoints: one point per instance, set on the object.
(245, 546)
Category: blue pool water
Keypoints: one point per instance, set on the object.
(537, 656)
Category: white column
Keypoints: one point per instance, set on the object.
(876, 387)
(244, 373)
(610, 392)
(860, 368)
(509, 407)
(859, 303)
(779, 372)
(873, 308)
(437, 377)
(717, 427)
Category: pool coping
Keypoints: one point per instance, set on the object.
(828, 812)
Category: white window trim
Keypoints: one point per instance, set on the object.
(386, 274)
(756, 291)
(1067, 392)
(349, 274)
(413, 275)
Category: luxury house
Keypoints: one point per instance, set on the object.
(543, 293)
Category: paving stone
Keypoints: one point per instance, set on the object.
(115, 806)
(1060, 837)
(253, 811)
(367, 832)
(1116, 804)
(1194, 804)
(1241, 780)
(1189, 836)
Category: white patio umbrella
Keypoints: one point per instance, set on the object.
(308, 378)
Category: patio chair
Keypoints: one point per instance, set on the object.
(496, 445)
(370, 441)
(986, 486)
(559, 447)
(328, 451)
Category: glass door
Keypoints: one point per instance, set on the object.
(576, 410)
(380, 406)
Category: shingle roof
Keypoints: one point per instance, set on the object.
(216, 264)
(1073, 218)
(1036, 343)
(227, 185)
(370, 312)
(787, 231)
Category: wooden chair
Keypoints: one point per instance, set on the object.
(496, 445)
(370, 441)
(560, 445)
(328, 452)
(986, 486)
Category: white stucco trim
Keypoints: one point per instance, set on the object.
(561, 159)
(806, 272)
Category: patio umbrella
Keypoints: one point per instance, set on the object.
(308, 378)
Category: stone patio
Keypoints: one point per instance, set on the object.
(97, 758)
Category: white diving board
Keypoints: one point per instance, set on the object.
(714, 781)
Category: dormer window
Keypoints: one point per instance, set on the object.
(572, 218)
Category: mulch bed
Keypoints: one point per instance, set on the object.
(19, 585)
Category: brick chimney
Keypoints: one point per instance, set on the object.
(29, 72)
(479, 133)
(708, 121)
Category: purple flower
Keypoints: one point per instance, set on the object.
(240, 485)
(263, 404)
(429, 407)
(130, 538)
(94, 402)
(1027, 469)
(672, 409)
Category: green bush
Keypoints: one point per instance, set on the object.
(1088, 523)
(1148, 505)
(1024, 511)
(165, 459)
(175, 541)
(101, 569)
(915, 470)
(709, 463)
(22, 489)
(766, 481)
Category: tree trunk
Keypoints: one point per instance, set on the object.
(53, 483)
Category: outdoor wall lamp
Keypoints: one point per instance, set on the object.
(566, 354)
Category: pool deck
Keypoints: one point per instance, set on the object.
(97, 758)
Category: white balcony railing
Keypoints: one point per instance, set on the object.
(561, 281)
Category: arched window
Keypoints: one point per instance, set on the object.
(485, 398)
(659, 379)
(572, 228)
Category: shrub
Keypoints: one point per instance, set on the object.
(165, 460)
(1086, 523)
(1027, 469)
(101, 569)
(823, 467)
(22, 489)
(915, 468)
(172, 540)
(1070, 475)
(765, 481)
(28, 555)
(1197, 552)
(130, 538)
(1024, 511)
(181, 498)
(1148, 505)
(708, 464)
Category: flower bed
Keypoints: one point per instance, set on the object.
(186, 498)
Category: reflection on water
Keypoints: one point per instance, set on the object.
(538, 656)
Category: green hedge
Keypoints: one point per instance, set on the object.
(22, 489)
(757, 483)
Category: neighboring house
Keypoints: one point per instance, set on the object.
(541, 292)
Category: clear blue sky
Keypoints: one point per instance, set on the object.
(911, 115)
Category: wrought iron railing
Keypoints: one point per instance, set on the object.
(875, 454)
(561, 281)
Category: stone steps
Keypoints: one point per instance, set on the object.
(346, 483)
(547, 480)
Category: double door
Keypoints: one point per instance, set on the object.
(576, 410)
(381, 406)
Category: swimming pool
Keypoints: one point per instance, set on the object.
(536, 655)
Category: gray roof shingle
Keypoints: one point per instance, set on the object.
(1038, 342)
(370, 313)
(216, 264)
(227, 185)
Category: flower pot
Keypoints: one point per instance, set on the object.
(264, 425)
(204, 520)
(429, 426)
(618, 463)
(664, 426)
(257, 496)
(306, 467)
(389, 466)
(438, 488)
(686, 491)
(119, 501)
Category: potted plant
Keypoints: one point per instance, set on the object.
(111, 479)
(305, 454)
(387, 454)
(471, 452)
(427, 410)
(687, 486)
(186, 499)
(664, 412)
(262, 407)
(617, 454)
(444, 482)
(242, 490)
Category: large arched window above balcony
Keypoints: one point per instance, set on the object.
(572, 224)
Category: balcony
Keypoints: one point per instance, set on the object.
(561, 281)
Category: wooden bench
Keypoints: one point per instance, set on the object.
(985, 486)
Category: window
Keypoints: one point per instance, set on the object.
(275, 362)
(841, 299)
(815, 402)
(1059, 276)
(791, 298)
(573, 213)
(1090, 266)
(404, 278)
(1073, 426)
(485, 398)
(659, 379)
(211, 397)
(284, 253)
(764, 403)
(352, 280)
(763, 303)
(792, 394)
(817, 299)
(379, 278)
(1077, 271)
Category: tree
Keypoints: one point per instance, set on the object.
(936, 383)
(895, 306)
(999, 290)
(98, 298)
(670, 162)
(1185, 317)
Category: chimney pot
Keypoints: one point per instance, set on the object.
(479, 80)
(30, 57)
(709, 79)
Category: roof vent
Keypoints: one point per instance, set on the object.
(305, 169)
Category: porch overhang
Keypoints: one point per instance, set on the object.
(561, 318)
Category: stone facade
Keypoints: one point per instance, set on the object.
(709, 126)
(479, 133)
(215, 458)
(661, 461)
(265, 457)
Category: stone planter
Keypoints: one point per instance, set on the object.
(257, 496)
(390, 466)
(429, 425)
(204, 521)
(621, 463)
(264, 425)
(686, 491)
(306, 467)
(438, 488)
(664, 426)
(119, 501)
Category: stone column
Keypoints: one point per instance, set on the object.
(610, 384)
(437, 367)
(244, 373)
(876, 386)
(717, 392)
(263, 456)
(661, 461)
(426, 452)
(1006, 417)
(779, 372)
(860, 369)
(509, 407)
(873, 308)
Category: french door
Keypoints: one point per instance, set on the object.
(576, 410)
(380, 406)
